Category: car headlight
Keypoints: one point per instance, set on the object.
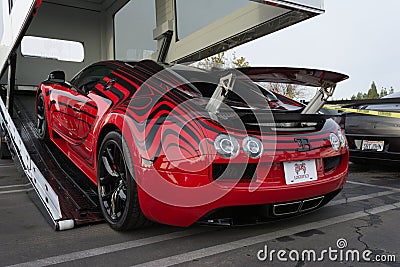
(253, 147)
(342, 138)
(227, 146)
(335, 142)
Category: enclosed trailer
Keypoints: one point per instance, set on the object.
(38, 36)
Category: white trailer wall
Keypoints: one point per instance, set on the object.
(66, 23)
(92, 23)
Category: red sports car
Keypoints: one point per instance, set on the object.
(177, 145)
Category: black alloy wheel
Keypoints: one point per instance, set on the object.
(41, 119)
(116, 187)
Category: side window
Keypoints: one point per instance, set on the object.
(89, 77)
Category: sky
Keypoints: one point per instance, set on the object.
(360, 38)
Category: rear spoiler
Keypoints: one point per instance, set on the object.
(300, 76)
(325, 80)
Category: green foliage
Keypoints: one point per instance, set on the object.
(220, 60)
(373, 93)
(216, 61)
(239, 62)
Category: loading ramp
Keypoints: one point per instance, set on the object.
(63, 192)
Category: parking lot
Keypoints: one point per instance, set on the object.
(365, 216)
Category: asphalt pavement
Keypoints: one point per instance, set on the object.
(363, 220)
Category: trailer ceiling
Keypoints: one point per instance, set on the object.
(94, 5)
(224, 24)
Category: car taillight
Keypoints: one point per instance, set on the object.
(227, 146)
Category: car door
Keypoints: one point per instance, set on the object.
(75, 112)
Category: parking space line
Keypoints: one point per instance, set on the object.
(110, 249)
(209, 251)
(15, 191)
(15, 185)
(375, 186)
(358, 198)
(214, 250)
(7, 165)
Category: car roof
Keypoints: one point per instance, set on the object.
(394, 95)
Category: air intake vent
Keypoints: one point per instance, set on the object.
(331, 163)
(234, 171)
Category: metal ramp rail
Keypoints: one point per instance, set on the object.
(67, 196)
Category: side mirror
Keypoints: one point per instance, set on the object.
(57, 76)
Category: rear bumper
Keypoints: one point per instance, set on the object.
(159, 211)
(391, 151)
(255, 214)
(359, 155)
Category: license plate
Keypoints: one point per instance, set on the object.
(373, 145)
(300, 171)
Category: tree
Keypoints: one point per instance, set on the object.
(288, 90)
(383, 92)
(220, 60)
(239, 62)
(372, 92)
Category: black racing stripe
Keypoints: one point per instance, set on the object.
(182, 126)
(128, 86)
(212, 128)
(161, 119)
(158, 122)
(175, 145)
(131, 76)
(162, 107)
(100, 93)
(187, 128)
(120, 95)
(151, 137)
(171, 132)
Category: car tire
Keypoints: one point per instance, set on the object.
(4, 151)
(41, 118)
(117, 189)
